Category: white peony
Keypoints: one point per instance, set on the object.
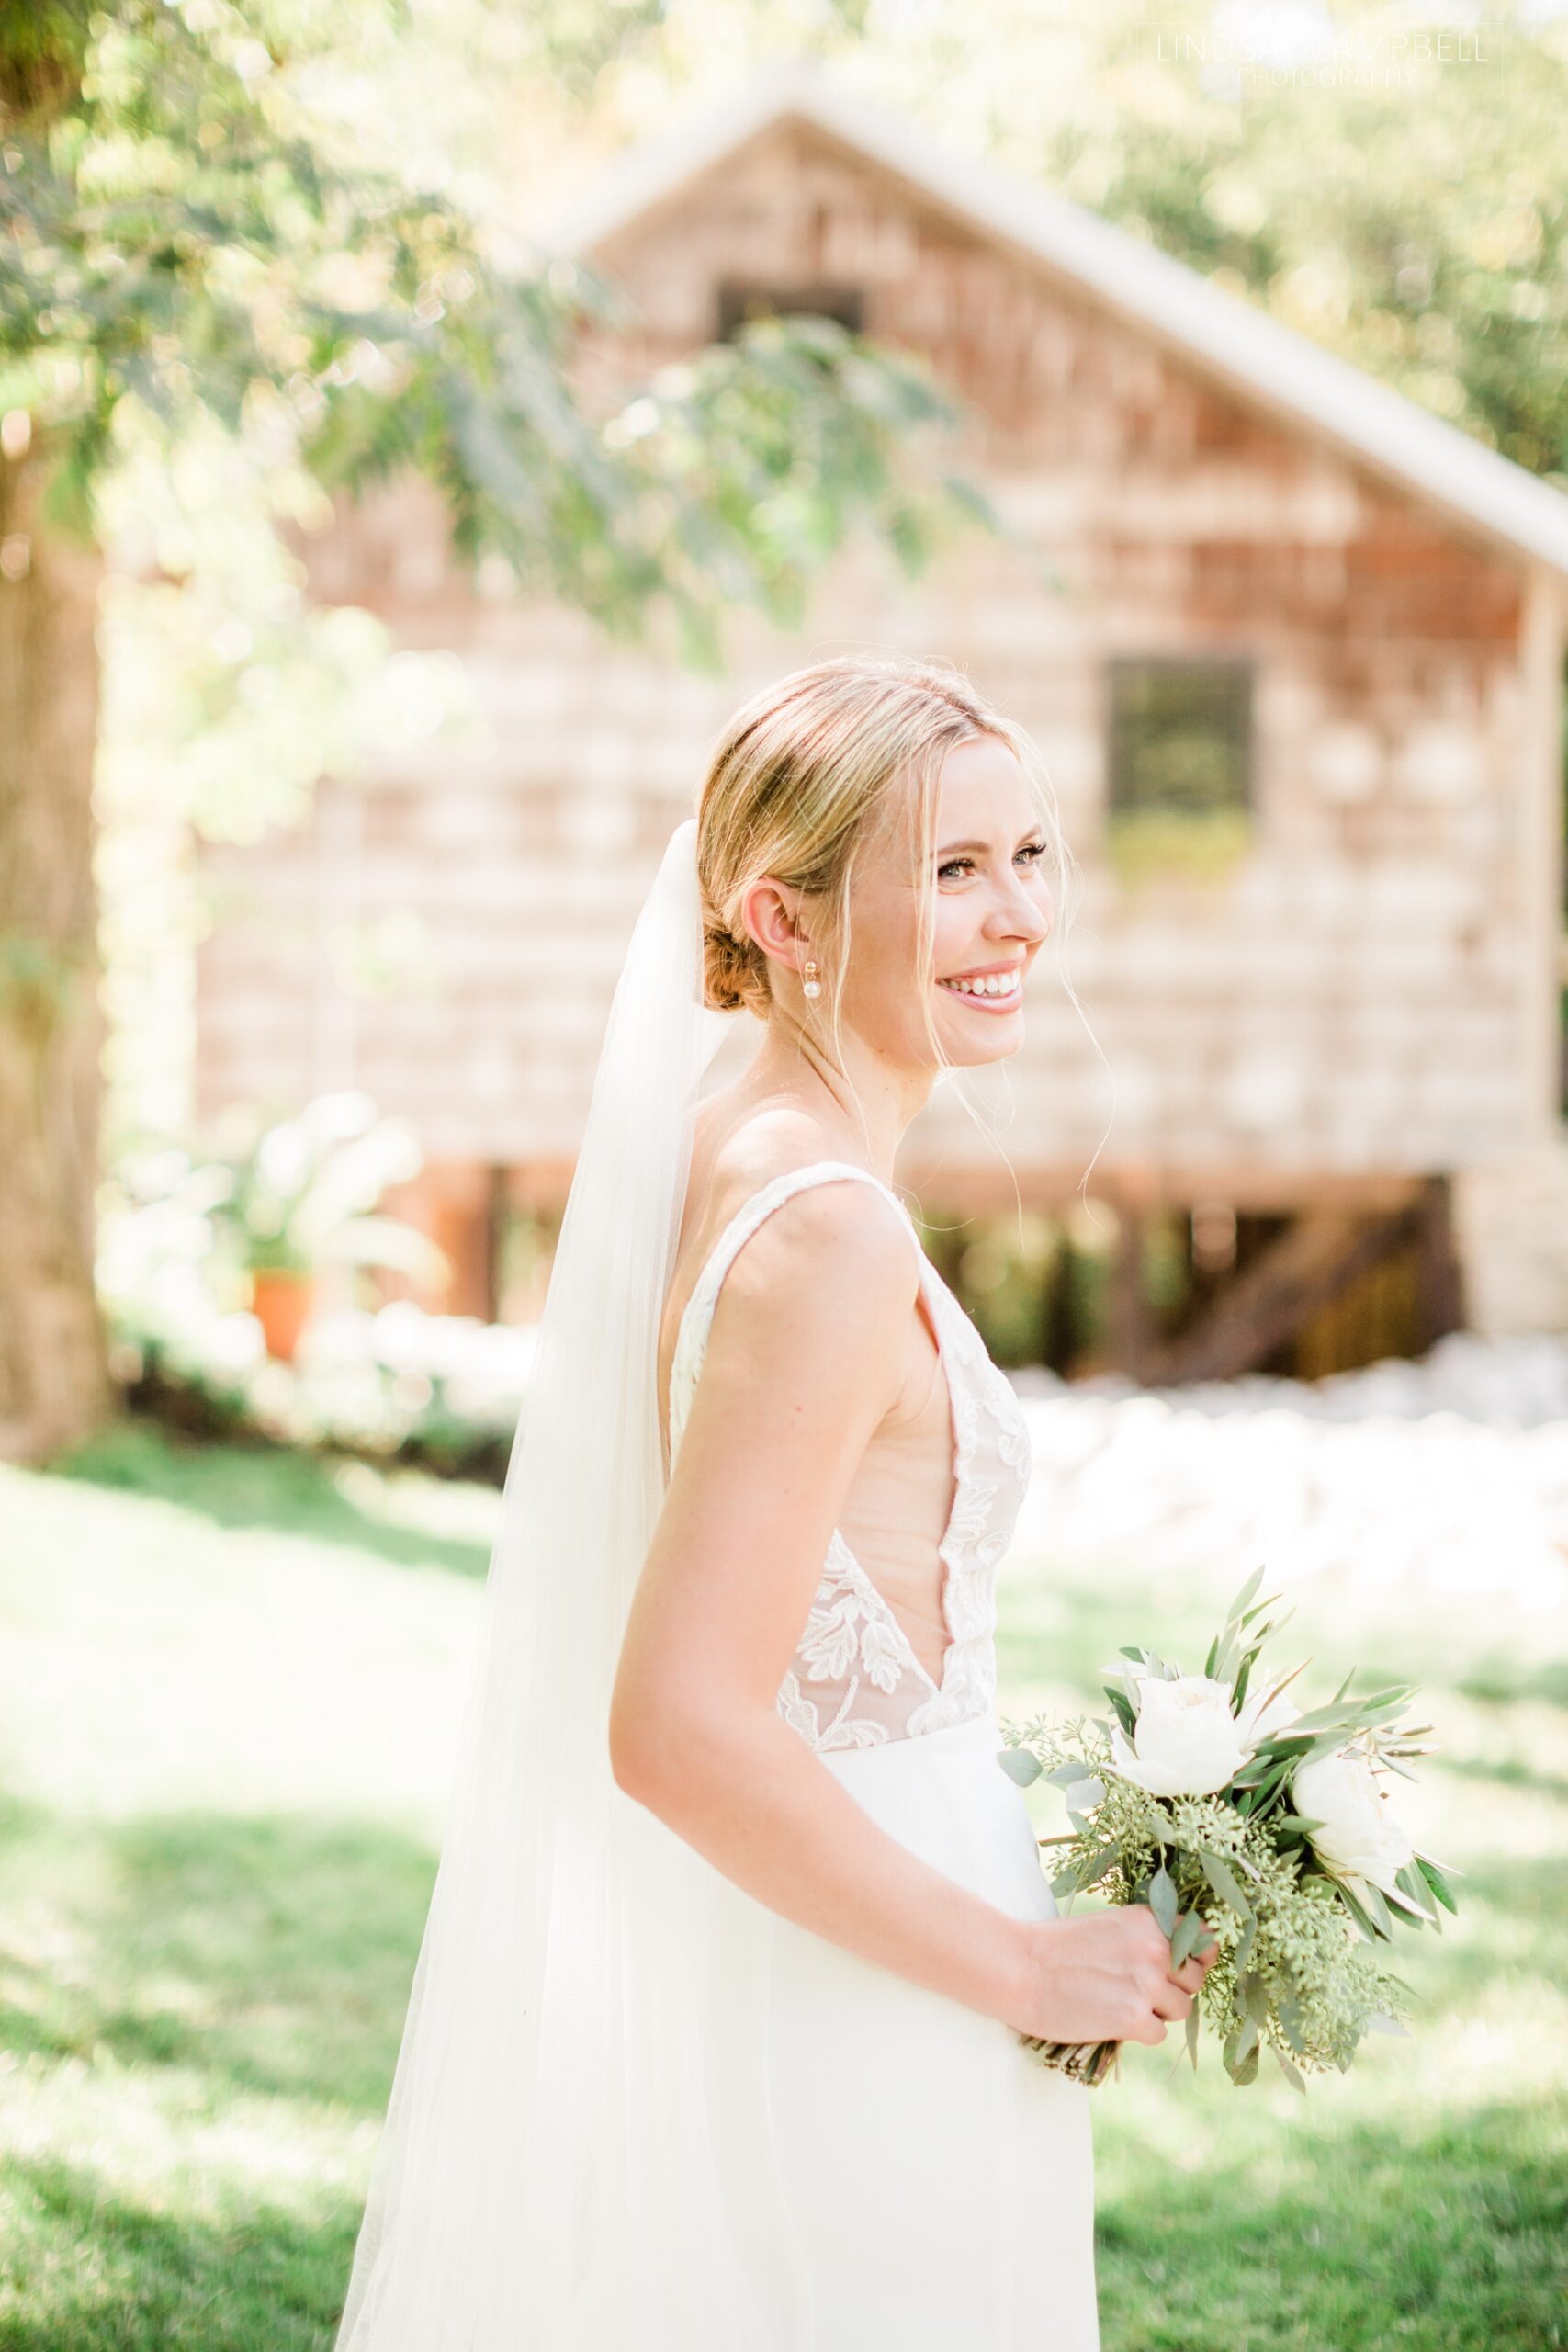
(1360, 1838)
(1261, 1714)
(1186, 1742)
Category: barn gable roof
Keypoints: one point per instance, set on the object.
(1253, 354)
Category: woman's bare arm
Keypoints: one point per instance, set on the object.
(804, 1361)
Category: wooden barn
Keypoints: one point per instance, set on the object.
(1294, 649)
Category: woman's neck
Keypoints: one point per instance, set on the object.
(870, 1100)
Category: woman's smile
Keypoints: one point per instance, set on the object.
(990, 988)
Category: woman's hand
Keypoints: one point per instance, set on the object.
(1104, 1977)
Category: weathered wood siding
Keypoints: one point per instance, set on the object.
(1361, 999)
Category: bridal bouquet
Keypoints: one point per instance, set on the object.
(1201, 1794)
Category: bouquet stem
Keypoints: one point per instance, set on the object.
(1086, 2062)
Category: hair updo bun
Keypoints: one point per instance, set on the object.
(735, 972)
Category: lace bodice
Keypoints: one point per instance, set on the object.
(856, 1681)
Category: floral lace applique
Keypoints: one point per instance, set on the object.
(855, 1679)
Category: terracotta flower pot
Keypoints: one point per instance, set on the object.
(280, 1301)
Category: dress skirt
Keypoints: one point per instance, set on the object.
(940, 2181)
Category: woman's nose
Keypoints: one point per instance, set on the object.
(1026, 912)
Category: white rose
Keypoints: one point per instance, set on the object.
(1186, 1742)
(1360, 1838)
(1258, 1717)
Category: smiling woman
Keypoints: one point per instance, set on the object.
(714, 2036)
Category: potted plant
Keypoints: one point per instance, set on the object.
(301, 1194)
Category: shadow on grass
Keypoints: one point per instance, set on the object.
(285, 1491)
(266, 1954)
(1503, 1682)
(273, 1956)
(1056, 1629)
(1506, 1772)
(90, 2271)
(1450, 2239)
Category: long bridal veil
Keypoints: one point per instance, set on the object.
(574, 2157)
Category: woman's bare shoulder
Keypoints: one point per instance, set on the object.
(739, 1153)
(735, 1156)
(845, 1242)
(822, 1230)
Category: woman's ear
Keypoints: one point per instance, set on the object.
(771, 912)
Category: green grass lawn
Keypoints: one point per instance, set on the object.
(229, 1688)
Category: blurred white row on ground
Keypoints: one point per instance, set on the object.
(1445, 1477)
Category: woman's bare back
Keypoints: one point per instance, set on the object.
(899, 1504)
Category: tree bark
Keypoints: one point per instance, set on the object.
(54, 1382)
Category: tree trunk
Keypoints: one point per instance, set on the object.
(54, 1384)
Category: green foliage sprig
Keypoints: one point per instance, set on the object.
(1296, 1924)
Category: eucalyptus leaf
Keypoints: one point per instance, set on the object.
(1240, 2045)
(1381, 1918)
(1313, 1719)
(1162, 1899)
(1401, 1906)
(1254, 1998)
(1244, 1596)
(1193, 2020)
(1188, 1927)
(1439, 1883)
(1094, 1866)
(1410, 1883)
(1019, 1766)
(1289, 2017)
(1291, 2073)
(1123, 1707)
(1225, 1885)
(1355, 1910)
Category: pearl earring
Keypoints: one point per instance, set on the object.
(813, 986)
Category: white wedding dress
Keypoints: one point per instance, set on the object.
(938, 2181)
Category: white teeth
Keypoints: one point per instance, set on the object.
(985, 984)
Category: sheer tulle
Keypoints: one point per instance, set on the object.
(577, 2150)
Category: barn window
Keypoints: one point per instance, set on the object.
(743, 299)
(1181, 757)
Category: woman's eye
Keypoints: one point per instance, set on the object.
(1031, 853)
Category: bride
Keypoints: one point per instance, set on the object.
(713, 2042)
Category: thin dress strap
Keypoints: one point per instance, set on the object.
(696, 1320)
